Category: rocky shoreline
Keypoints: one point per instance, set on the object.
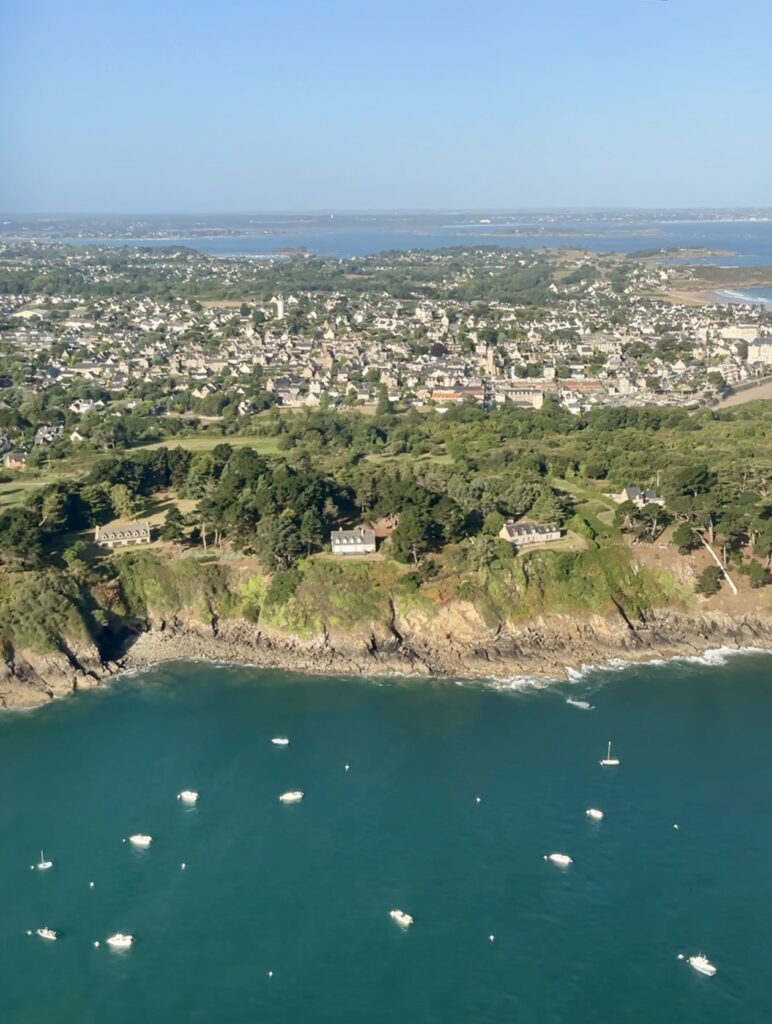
(452, 645)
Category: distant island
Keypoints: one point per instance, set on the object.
(172, 226)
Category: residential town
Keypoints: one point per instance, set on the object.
(418, 329)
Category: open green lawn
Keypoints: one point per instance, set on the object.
(206, 442)
(408, 457)
(16, 492)
(582, 490)
(570, 541)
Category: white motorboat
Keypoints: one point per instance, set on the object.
(608, 761)
(702, 964)
(561, 859)
(584, 705)
(47, 933)
(280, 741)
(120, 941)
(140, 840)
(401, 918)
(188, 796)
(294, 796)
(43, 864)
(594, 814)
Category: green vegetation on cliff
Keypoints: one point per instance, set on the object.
(46, 611)
(245, 535)
(152, 586)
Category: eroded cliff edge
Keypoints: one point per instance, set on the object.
(455, 643)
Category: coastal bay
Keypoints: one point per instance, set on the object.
(282, 912)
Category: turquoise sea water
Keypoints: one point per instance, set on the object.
(304, 891)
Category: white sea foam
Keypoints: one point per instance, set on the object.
(522, 684)
(718, 655)
(713, 656)
(518, 683)
(745, 299)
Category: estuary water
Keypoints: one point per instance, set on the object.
(282, 912)
(748, 242)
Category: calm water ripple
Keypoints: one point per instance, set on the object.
(304, 890)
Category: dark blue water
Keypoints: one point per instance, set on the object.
(304, 891)
(749, 241)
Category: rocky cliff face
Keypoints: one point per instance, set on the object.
(28, 678)
(455, 642)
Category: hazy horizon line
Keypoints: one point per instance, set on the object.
(385, 211)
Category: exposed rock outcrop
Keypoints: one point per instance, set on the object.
(454, 642)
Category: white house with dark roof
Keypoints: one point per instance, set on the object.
(638, 496)
(529, 533)
(119, 535)
(359, 541)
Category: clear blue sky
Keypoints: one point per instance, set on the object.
(249, 105)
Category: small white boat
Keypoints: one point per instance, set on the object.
(294, 796)
(43, 864)
(700, 963)
(401, 918)
(594, 814)
(608, 761)
(188, 796)
(280, 741)
(584, 705)
(120, 941)
(47, 933)
(703, 965)
(140, 840)
(561, 859)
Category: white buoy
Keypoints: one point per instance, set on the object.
(91, 885)
(478, 799)
(29, 931)
(491, 938)
(680, 956)
(183, 866)
(270, 974)
(96, 945)
(675, 827)
(347, 767)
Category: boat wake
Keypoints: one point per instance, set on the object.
(583, 705)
